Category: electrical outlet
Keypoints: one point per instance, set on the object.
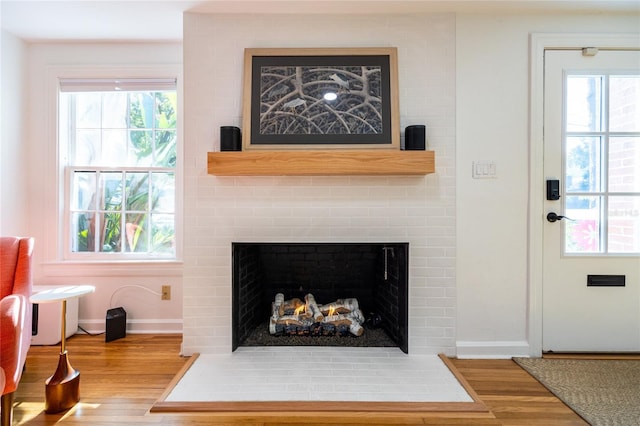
(166, 292)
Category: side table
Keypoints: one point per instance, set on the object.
(62, 389)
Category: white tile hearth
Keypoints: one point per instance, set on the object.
(318, 374)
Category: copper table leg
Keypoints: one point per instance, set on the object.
(62, 390)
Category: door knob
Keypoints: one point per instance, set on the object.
(553, 217)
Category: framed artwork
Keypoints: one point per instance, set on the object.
(320, 99)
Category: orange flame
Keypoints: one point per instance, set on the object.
(299, 310)
(332, 310)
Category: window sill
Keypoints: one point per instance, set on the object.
(136, 268)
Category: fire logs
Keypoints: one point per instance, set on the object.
(340, 306)
(293, 317)
(312, 308)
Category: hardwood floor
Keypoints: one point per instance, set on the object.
(121, 380)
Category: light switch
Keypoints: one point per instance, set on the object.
(484, 170)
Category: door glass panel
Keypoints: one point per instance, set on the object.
(624, 224)
(583, 229)
(624, 164)
(582, 170)
(602, 164)
(624, 103)
(584, 106)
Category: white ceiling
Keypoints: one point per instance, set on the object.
(144, 20)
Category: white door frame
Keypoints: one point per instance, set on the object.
(537, 45)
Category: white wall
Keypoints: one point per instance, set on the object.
(220, 210)
(14, 155)
(492, 78)
(145, 311)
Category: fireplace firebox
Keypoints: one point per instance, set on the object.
(373, 274)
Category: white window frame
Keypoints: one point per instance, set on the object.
(59, 254)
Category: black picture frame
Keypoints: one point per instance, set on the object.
(285, 104)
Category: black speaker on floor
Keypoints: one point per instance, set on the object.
(34, 319)
(116, 324)
(230, 138)
(414, 137)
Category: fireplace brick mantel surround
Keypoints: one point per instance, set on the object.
(224, 209)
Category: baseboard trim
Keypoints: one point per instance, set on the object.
(150, 326)
(492, 350)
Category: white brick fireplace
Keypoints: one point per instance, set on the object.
(419, 210)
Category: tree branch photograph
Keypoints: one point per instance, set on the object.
(320, 98)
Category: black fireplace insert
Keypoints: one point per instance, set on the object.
(374, 274)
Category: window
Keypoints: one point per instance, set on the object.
(118, 141)
(602, 163)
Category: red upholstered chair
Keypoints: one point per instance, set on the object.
(15, 316)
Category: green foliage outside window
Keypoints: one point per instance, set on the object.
(138, 194)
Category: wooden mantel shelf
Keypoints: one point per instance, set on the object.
(321, 163)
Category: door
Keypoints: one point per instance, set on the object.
(591, 261)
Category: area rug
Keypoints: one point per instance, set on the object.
(603, 392)
(323, 379)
